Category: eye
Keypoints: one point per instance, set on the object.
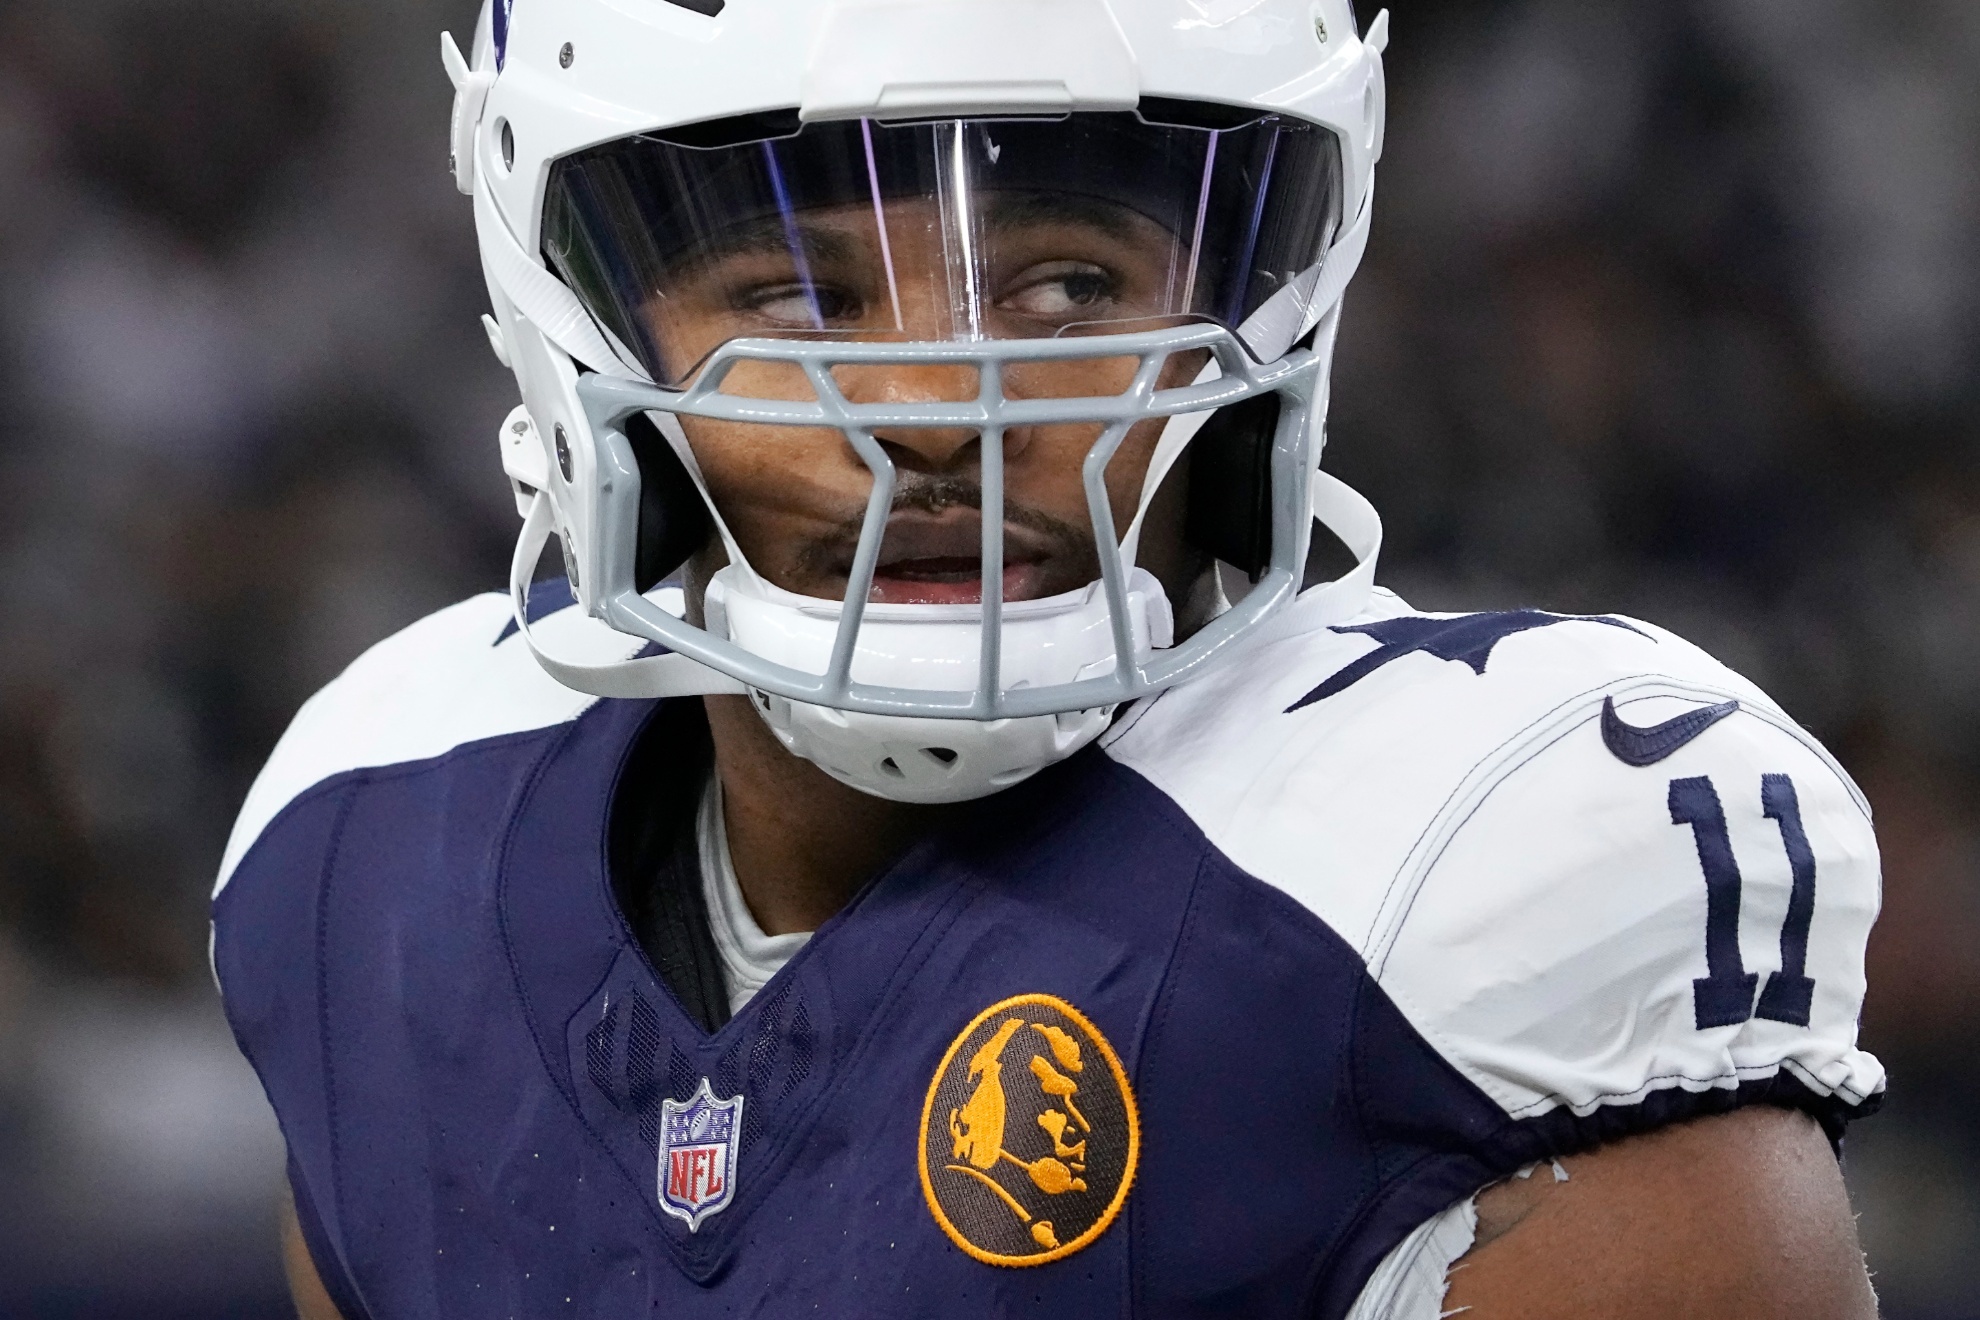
(801, 305)
(1059, 291)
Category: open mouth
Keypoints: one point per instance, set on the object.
(938, 560)
(949, 580)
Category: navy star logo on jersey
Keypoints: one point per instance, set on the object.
(1468, 638)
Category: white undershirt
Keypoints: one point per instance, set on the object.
(749, 957)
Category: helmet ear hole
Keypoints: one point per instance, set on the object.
(1230, 484)
(673, 520)
(892, 769)
(945, 755)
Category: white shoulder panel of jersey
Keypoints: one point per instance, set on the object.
(434, 686)
(1535, 903)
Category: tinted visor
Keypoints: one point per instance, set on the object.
(963, 229)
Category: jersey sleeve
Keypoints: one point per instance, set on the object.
(458, 676)
(1606, 938)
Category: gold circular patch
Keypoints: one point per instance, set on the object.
(1029, 1136)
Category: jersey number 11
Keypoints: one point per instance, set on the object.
(1724, 997)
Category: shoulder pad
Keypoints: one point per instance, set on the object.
(459, 676)
(1510, 816)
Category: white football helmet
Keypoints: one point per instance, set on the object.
(617, 150)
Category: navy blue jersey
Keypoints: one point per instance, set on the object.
(1201, 1022)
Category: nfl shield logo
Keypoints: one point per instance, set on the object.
(698, 1140)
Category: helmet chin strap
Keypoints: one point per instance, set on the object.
(1345, 512)
(640, 677)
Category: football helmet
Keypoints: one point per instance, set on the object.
(1194, 178)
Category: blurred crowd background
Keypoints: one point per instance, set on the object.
(1672, 310)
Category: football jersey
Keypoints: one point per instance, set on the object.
(1204, 1021)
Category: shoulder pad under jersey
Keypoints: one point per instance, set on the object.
(456, 677)
(1588, 862)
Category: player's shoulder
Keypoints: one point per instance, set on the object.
(1479, 671)
(1587, 860)
(1373, 724)
(457, 677)
(1375, 742)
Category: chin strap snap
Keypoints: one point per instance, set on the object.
(639, 678)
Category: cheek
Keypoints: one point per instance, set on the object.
(1042, 466)
(1130, 468)
(775, 485)
(1047, 473)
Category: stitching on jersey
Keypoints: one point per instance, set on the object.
(1376, 936)
(1494, 1086)
(499, 859)
(1384, 936)
(324, 878)
(695, 1266)
(1813, 1082)
(773, 1147)
(1404, 1179)
(348, 783)
(1404, 1182)
(1675, 1081)
(1354, 1056)
(1425, 1023)
(615, 917)
(1152, 1031)
(1428, 1027)
(1423, 872)
(927, 942)
(370, 660)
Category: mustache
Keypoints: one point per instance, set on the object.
(924, 493)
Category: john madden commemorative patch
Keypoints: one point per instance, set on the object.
(1029, 1136)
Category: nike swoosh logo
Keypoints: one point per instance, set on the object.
(1634, 746)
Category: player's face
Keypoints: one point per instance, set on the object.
(795, 498)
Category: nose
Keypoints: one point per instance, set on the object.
(930, 449)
